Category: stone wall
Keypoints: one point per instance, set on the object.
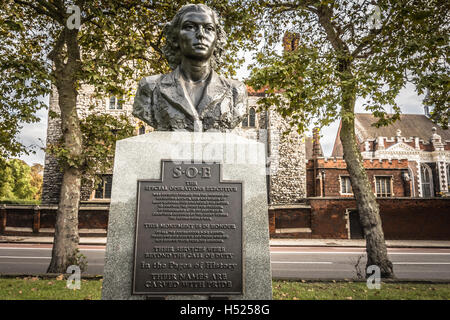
(87, 104)
(52, 176)
(287, 161)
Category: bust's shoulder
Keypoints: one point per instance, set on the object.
(149, 82)
(239, 89)
(232, 82)
(236, 85)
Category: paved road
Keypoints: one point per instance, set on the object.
(287, 262)
(339, 262)
(35, 258)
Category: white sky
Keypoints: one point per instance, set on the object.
(35, 134)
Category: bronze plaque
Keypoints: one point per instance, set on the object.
(188, 232)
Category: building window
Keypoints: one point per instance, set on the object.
(103, 190)
(115, 103)
(346, 186)
(141, 130)
(448, 177)
(250, 120)
(427, 181)
(383, 186)
(252, 117)
(411, 177)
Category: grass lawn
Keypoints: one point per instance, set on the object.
(292, 290)
(33, 288)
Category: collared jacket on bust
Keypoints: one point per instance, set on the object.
(161, 102)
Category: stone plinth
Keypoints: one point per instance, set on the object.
(139, 158)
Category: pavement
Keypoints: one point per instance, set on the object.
(273, 242)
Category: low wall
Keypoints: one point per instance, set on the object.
(402, 218)
(40, 220)
(290, 221)
(323, 218)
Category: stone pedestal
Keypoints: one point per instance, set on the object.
(242, 161)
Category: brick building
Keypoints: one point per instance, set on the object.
(410, 158)
(408, 165)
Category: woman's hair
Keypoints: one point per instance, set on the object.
(171, 30)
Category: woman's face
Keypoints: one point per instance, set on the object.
(197, 36)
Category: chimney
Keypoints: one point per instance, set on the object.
(317, 150)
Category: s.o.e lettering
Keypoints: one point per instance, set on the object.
(192, 172)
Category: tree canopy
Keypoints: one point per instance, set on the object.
(16, 181)
(118, 43)
(373, 50)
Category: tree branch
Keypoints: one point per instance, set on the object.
(325, 14)
(288, 6)
(368, 40)
(35, 8)
(54, 54)
(44, 9)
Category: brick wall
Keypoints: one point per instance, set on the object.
(26, 219)
(290, 221)
(404, 218)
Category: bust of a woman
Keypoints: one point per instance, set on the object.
(193, 97)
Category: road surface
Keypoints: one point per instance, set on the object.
(287, 262)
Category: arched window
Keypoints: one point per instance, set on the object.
(427, 181)
(250, 120)
(141, 130)
(252, 117)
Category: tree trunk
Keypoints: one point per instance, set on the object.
(66, 237)
(365, 198)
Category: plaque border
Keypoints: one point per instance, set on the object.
(215, 294)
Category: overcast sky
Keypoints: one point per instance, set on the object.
(35, 134)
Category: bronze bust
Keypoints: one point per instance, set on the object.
(193, 97)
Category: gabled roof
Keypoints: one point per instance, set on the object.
(410, 125)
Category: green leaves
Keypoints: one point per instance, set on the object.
(16, 181)
(99, 135)
(24, 75)
(339, 58)
(300, 84)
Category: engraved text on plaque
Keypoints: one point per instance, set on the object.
(188, 232)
